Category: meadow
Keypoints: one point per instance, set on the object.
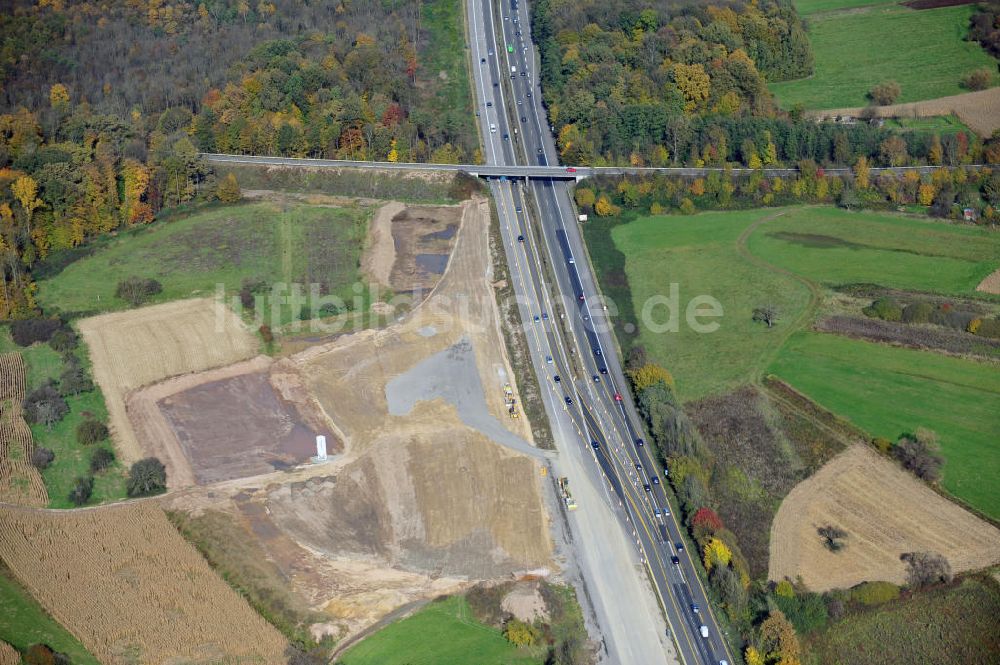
(958, 624)
(888, 391)
(782, 257)
(71, 459)
(192, 254)
(23, 623)
(443, 632)
(858, 44)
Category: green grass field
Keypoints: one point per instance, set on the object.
(956, 625)
(888, 391)
(924, 51)
(940, 124)
(442, 633)
(191, 255)
(882, 389)
(809, 7)
(23, 623)
(71, 459)
(700, 255)
(834, 246)
(443, 19)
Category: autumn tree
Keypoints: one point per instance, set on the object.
(585, 197)
(861, 173)
(25, 190)
(519, 633)
(716, 553)
(694, 84)
(778, 641)
(705, 521)
(228, 189)
(649, 374)
(885, 93)
(135, 177)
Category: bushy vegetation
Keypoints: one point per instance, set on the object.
(28, 331)
(137, 290)
(871, 594)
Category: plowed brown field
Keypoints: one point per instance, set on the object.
(135, 348)
(991, 283)
(127, 585)
(885, 512)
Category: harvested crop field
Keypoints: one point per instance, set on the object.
(885, 512)
(132, 590)
(991, 284)
(135, 348)
(20, 482)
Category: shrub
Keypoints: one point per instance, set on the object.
(990, 328)
(874, 593)
(40, 654)
(807, 611)
(519, 633)
(42, 457)
(29, 331)
(74, 380)
(63, 340)
(137, 290)
(882, 444)
(45, 406)
(977, 79)
(705, 521)
(147, 477)
(649, 374)
(687, 206)
(101, 459)
(918, 453)
(82, 489)
(974, 325)
(90, 432)
(918, 312)
(784, 588)
(266, 334)
(886, 309)
(885, 93)
(925, 568)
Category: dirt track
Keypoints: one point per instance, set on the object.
(885, 511)
(979, 110)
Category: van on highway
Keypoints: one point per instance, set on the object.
(493, 128)
(704, 630)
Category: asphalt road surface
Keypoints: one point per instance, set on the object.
(572, 341)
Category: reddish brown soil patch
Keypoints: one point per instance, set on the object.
(238, 427)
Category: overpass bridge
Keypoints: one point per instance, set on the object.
(528, 172)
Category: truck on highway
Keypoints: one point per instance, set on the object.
(704, 630)
(566, 496)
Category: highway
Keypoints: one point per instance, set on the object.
(576, 359)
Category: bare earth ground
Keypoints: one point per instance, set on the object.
(380, 254)
(979, 110)
(991, 283)
(9, 655)
(130, 588)
(20, 481)
(419, 502)
(885, 511)
(137, 347)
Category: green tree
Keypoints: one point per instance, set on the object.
(147, 477)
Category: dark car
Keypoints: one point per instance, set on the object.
(540, 151)
(680, 547)
(604, 370)
(524, 73)
(655, 480)
(647, 488)
(595, 444)
(597, 379)
(520, 238)
(489, 105)
(529, 94)
(524, 119)
(597, 352)
(674, 560)
(557, 378)
(638, 466)
(640, 443)
(569, 400)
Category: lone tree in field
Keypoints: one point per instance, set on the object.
(147, 477)
(918, 453)
(42, 457)
(45, 406)
(137, 290)
(767, 314)
(925, 568)
(885, 93)
(832, 537)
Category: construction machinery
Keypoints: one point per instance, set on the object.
(566, 496)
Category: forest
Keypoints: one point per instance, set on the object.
(105, 106)
(666, 84)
